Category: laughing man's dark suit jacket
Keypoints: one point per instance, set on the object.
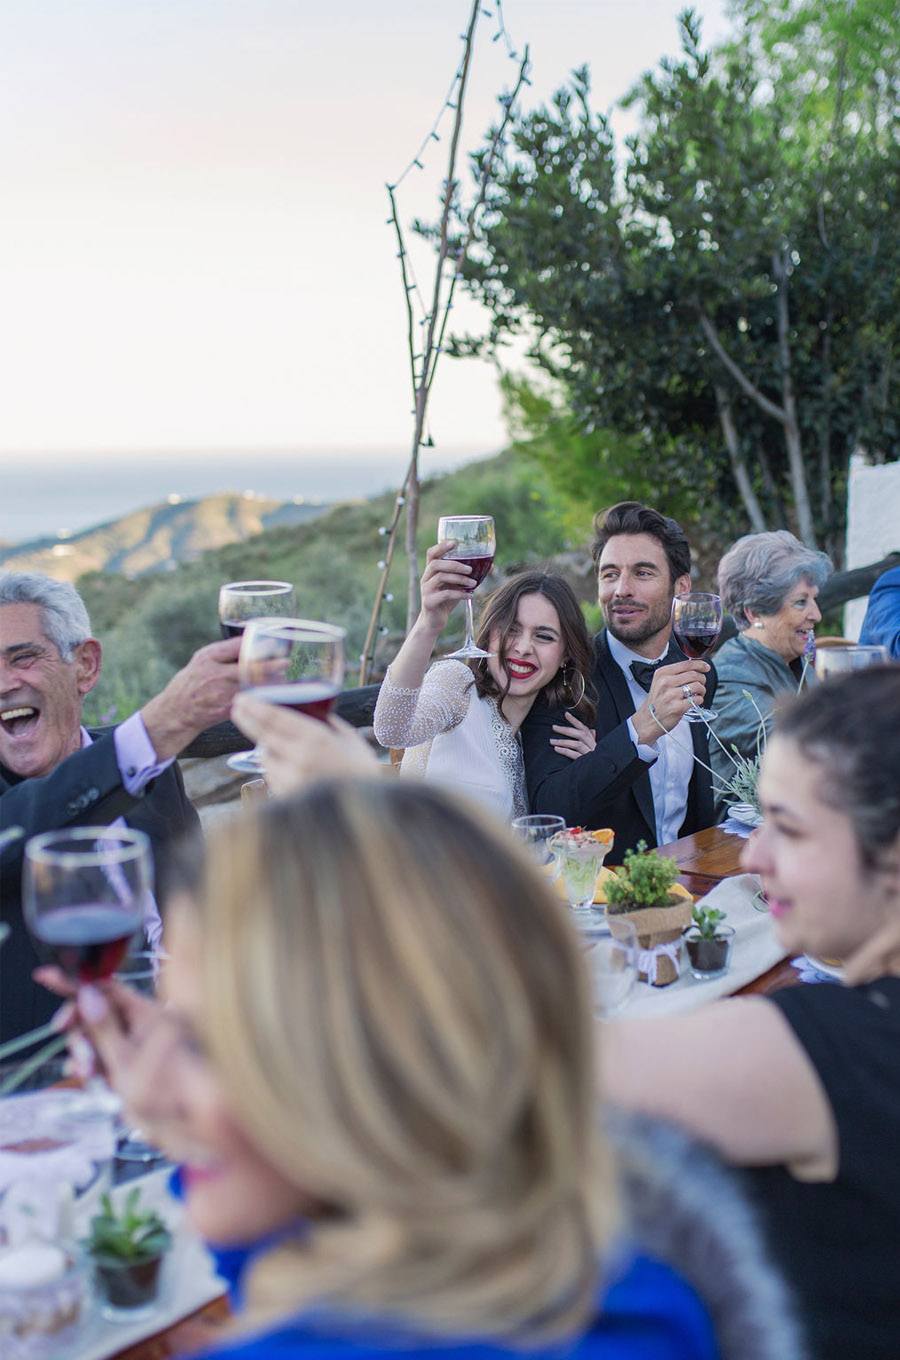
(611, 785)
(85, 789)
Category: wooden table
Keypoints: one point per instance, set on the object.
(704, 860)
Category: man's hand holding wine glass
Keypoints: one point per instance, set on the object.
(672, 692)
(197, 697)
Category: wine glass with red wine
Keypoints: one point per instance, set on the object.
(696, 625)
(240, 601)
(85, 891)
(293, 662)
(475, 543)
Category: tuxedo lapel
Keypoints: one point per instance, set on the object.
(610, 676)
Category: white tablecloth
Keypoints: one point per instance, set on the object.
(754, 951)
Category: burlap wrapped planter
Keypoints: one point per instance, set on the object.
(659, 931)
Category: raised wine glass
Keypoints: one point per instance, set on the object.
(85, 892)
(474, 542)
(696, 624)
(294, 662)
(240, 601)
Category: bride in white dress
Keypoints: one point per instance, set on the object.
(459, 721)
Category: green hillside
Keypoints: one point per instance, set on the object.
(150, 626)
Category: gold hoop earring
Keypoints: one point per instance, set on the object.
(567, 681)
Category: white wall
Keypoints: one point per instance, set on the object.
(873, 524)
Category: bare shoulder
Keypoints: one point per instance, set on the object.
(733, 1073)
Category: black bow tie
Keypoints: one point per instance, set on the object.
(644, 671)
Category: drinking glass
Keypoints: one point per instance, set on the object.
(612, 960)
(580, 856)
(85, 891)
(696, 624)
(141, 971)
(240, 601)
(848, 657)
(475, 543)
(536, 831)
(294, 662)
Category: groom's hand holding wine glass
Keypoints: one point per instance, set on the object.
(672, 692)
(200, 695)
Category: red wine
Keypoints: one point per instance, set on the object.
(231, 629)
(88, 942)
(480, 568)
(696, 642)
(315, 698)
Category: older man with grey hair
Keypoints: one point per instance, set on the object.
(55, 773)
(769, 583)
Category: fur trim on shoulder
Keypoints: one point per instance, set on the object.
(687, 1209)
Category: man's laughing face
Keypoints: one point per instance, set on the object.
(40, 694)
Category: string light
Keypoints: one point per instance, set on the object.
(422, 364)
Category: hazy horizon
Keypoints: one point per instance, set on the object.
(87, 492)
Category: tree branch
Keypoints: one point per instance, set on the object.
(738, 465)
(743, 382)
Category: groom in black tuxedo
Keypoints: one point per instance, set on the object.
(54, 773)
(639, 775)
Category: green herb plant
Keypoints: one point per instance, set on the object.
(645, 880)
(707, 921)
(127, 1238)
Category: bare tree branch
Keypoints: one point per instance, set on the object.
(738, 463)
(743, 382)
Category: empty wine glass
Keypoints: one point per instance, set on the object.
(696, 624)
(141, 971)
(475, 543)
(297, 663)
(240, 601)
(535, 831)
(612, 959)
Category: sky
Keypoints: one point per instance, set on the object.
(193, 246)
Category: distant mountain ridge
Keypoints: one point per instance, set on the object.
(158, 537)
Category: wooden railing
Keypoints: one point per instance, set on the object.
(357, 706)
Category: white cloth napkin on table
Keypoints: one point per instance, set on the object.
(754, 951)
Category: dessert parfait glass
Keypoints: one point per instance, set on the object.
(580, 855)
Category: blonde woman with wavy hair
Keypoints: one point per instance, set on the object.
(376, 1064)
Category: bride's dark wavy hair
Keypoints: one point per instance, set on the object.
(571, 686)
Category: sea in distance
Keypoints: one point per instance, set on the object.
(46, 495)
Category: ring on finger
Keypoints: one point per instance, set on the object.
(688, 693)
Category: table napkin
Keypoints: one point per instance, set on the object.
(754, 951)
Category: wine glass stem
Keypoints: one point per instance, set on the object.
(470, 625)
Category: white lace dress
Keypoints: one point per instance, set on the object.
(454, 737)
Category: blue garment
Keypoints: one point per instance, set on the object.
(648, 1313)
(881, 626)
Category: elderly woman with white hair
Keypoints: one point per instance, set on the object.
(769, 583)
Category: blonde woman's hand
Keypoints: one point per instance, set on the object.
(298, 749)
(445, 581)
(106, 1024)
(575, 738)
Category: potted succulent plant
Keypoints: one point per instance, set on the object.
(708, 943)
(644, 892)
(127, 1250)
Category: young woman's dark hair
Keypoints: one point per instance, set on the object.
(630, 517)
(571, 687)
(850, 728)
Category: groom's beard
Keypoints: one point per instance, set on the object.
(648, 621)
